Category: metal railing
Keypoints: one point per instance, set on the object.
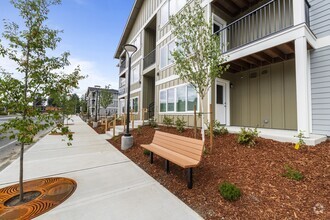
(307, 14)
(122, 66)
(268, 19)
(149, 59)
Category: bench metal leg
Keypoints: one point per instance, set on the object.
(167, 166)
(190, 178)
(151, 155)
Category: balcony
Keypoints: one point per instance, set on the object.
(122, 91)
(270, 18)
(122, 66)
(149, 59)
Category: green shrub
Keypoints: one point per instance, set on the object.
(139, 130)
(293, 174)
(229, 191)
(248, 136)
(180, 124)
(146, 152)
(3, 113)
(218, 129)
(168, 121)
(153, 123)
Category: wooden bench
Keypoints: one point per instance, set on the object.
(183, 151)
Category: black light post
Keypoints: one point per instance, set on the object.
(127, 139)
(130, 50)
(97, 94)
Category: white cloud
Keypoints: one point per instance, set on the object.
(95, 76)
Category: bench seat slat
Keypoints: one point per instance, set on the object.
(176, 147)
(179, 159)
(185, 139)
(191, 146)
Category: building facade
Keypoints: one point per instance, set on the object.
(92, 98)
(279, 56)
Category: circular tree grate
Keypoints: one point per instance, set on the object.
(50, 192)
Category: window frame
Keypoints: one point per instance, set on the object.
(136, 68)
(167, 54)
(175, 112)
(131, 104)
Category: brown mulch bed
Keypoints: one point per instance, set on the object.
(257, 171)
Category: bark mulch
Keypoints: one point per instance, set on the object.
(257, 171)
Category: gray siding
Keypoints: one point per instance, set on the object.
(320, 17)
(320, 79)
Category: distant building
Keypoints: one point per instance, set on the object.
(93, 98)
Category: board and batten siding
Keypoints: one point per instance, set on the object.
(320, 85)
(320, 17)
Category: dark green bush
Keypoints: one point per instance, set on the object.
(146, 152)
(293, 174)
(247, 136)
(153, 123)
(218, 129)
(180, 124)
(168, 121)
(229, 191)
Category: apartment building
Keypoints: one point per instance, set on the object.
(279, 56)
(92, 98)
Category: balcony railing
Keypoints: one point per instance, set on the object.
(122, 66)
(149, 59)
(122, 91)
(268, 19)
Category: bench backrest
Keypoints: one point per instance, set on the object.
(189, 147)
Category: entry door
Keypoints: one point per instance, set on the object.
(219, 24)
(221, 103)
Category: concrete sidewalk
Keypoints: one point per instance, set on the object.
(110, 186)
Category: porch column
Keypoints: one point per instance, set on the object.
(298, 11)
(303, 108)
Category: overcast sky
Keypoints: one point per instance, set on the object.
(92, 30)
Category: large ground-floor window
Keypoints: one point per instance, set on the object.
(179, 99)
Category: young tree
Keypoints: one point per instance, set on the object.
(198, 55)
(106, 98)
(29, 48)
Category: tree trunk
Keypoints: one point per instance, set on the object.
(202, 114)
(21, 190)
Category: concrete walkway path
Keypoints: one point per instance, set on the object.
(110, 186)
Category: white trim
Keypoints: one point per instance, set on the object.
(135, 91)
(167, 79)
(146, 23)
(168, 34)
(175, 100)
(323, 42)
(268, 42)
(167, 55)
(227, 83)
(309, 88)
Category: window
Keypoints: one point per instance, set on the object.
(122, 105)
(176, 6)
(135, 74)
(166, 57)
(137, 42)
(181, 99)
(163, 57)
(162, 100)
(171, 48)
(170, 8)
(164, 14)
(170, 100)
(178, 99)
(191, 98)
(134, 104)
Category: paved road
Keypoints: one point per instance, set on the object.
(9, 149)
